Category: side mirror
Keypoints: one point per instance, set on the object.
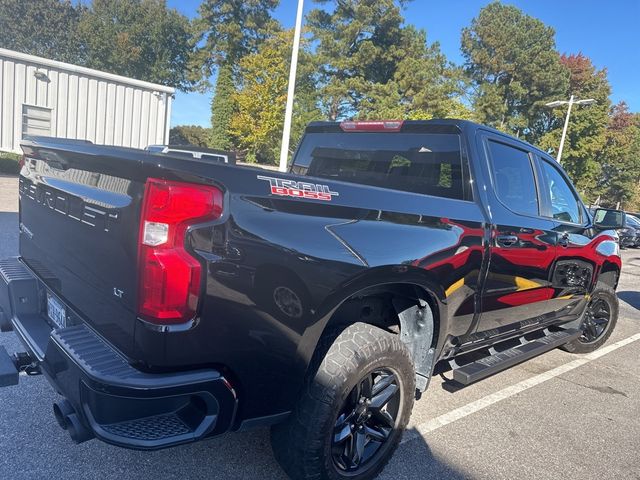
(605, 219)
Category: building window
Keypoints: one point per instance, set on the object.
(36, 120)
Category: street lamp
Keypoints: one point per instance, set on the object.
(570, 102)
(286, 131)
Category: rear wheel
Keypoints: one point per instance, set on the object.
(350, 418)
(598, 321)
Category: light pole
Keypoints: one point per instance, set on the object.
(286, 132)
(570, 102)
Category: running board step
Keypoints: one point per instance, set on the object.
(151, 429)
(498, 361)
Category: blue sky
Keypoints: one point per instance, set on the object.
(604, 30)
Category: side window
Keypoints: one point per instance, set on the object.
(513, 177)
(564, 205)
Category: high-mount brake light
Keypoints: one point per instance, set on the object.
(372, 126)
(169, 282)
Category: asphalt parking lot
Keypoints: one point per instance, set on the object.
(556, 416)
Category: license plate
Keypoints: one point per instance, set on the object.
(56, 311)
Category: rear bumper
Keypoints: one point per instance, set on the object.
(108, 397)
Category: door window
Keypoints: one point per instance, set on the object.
(513, 178)
(564, 205)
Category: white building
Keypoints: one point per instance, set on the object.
(44, 97)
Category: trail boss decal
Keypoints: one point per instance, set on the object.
(289, 188)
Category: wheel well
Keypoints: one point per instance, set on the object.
(401, 308)
(610, 274)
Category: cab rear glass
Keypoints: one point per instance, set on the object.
(425, 163)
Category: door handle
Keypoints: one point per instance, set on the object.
(507, 240)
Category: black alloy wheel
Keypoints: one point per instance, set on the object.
(366, 420)
(598, 322)
(596, 319)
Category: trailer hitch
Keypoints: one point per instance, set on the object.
(26, 363)
(12, 365)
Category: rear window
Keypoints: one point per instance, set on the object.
(426, 163)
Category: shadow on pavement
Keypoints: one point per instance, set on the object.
(8, 234)
(233, 456)
(228, 457)
(9, 220)
(630, 297)
(414, 459)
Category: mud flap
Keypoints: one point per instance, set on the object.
(416, 331)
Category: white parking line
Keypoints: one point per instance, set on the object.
(473, 407)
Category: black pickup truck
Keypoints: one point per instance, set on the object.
(169, 300)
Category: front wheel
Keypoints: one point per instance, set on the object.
(353, 411)
(598, 321)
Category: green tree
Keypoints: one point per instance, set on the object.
(634, 203)
(515, 69)
(227, 30)
(47, 28)
(371, 65)
(262, 97)
(620, 158)
(586, 134)
(223, 108)
(189, 135)
(138, 38)
(424, 84)
(355, 47)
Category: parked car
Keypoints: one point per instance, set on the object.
(634, 222)
(628, 236)
(169, 300)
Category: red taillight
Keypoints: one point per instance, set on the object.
(169, 286)
(372, 126)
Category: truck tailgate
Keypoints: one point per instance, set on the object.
(79, 226)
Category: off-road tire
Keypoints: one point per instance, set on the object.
(608, 294)
(302, 444)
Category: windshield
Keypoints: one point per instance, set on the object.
(633, 221)
(426, 163)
